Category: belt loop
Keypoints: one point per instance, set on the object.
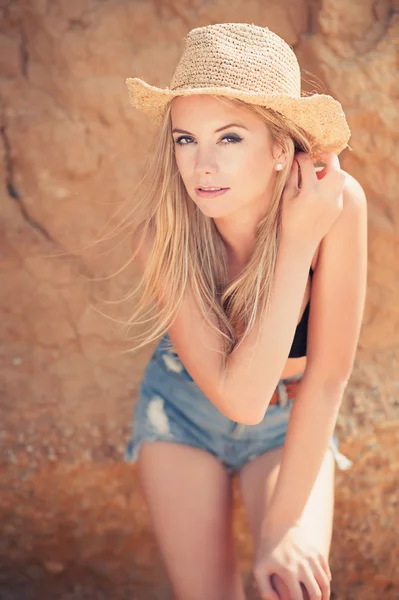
(282, 393)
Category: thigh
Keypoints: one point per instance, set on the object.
(189, 496)
(257, 481)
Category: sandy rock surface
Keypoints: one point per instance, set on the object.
(72, 519)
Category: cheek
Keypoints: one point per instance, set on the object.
(241, 167)
(256, 172)
(182, 164)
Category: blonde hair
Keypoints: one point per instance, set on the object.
(187, 249)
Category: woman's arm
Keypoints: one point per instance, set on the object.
(246, 397)
(255, 366)
(250, 381)
(338, 297)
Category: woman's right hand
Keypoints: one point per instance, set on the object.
(312, 201)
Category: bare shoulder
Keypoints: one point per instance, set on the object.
(353, 193)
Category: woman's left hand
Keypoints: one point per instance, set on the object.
(284, 550)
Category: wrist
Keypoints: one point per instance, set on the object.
(277, 518)
(277, 526)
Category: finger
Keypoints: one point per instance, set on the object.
(308, 174)
(332, 171)
(324, 586)
(292, 584)
(304, 592)
(322, 579)
(310, 583)
(331, 161)
(280, 587)
(267, 591)
(320, 168)
(325, 565)
(293, 177)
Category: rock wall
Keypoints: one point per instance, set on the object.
(72, 150)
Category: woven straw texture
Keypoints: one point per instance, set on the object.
(253, 64)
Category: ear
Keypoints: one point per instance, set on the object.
(278, 153)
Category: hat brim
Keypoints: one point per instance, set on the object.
(320, 115)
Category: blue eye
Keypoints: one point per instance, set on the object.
(182, 137)
(234, 139)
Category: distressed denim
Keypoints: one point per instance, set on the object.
(171, 407)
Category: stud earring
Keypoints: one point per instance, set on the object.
(279, 166)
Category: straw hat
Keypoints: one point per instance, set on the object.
(253, 64)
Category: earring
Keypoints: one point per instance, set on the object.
(279, 166)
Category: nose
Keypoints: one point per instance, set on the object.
(205, 161)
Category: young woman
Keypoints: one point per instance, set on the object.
(256, 265)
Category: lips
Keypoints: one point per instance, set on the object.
(213, 188)
(210, 192)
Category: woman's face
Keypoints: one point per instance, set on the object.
(240, 157)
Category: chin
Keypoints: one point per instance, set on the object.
(213, 208)
(215, 212)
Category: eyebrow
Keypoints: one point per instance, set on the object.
(216, 130)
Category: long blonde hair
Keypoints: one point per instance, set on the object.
(187, 249)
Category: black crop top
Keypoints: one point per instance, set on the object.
(299, 342)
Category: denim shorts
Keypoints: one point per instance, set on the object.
(172, 408)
